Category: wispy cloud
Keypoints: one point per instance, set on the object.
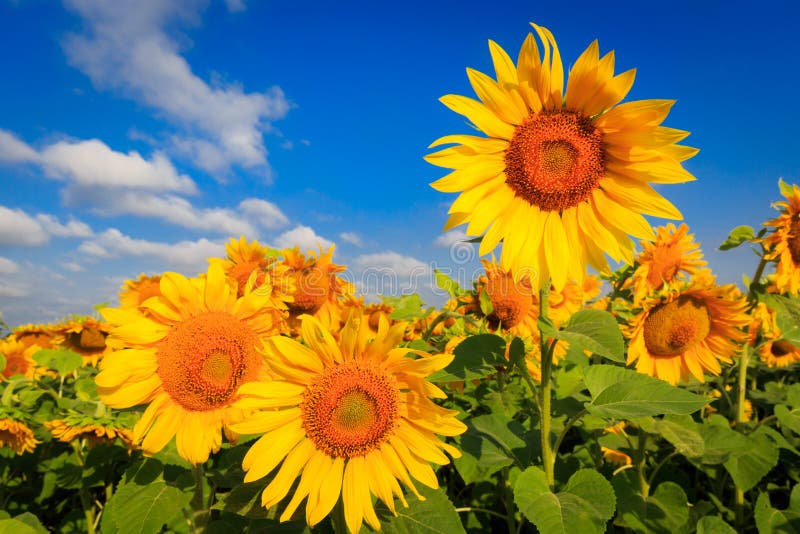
(302, 236)
(352, 238)
(19, 228)
(125, 48)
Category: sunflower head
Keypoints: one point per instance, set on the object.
(783, 242)
(35, 334)
(687, 331)
(253, 266)
(94, 431)
(16, 435)
(562, 177)
(314, 280)
(19, 358)
(512, 299)
(350, 417)
(135, 292)
(673, 252)
(84, 335)
(185, 353)
(779, 353)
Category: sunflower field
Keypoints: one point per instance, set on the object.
(557, 392)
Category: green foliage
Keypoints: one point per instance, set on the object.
(62, 361)
(595, 331)
(585, 504)
(666, 511)
(445, 283)
(435, 515)
(406, 308)
(739, 235)
(773, 521)
(475, 357)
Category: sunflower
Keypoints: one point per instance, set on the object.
(561, 177)
(779, 353)
(16, 435)
(615, 457)
(95, 432)
(350, 418)
(674, 251)
(84, 335)
(783, 244)
(571, 298)
(19, 358)
(135, 292)
(185, 353)
(315, 288)
(252, 263)
(686, 332)
(35, 334)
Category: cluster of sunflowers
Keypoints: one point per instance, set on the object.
(268, 367)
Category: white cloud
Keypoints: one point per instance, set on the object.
(303, 237)
(448, 239)
(73, 228)
(73, 266)
(126, 48)
(9, 291)
(266, 214)
(187, 254)
(7, 266)
(401, 266)
(19, 228)
(352, 238)
(13, 150)
(93, 164)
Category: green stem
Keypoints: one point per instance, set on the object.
(657, 468)
(578, 416)
(200, 515)
(468, 509)
(83, 493)
(508, 501)
(546, 391)
(338, 519)
(641, 464)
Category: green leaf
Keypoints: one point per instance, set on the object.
(25, 523)
(61, 360)
(2, 361)
(435, 515)
(713, 525)
(682, 433)
(666, 511)
(585, 504)
(738, 235)
(86, 389)
(786, 189)
(596, 331)
(787, 315)
(748, 467)
(721, 441)
(770, 520)
(507, 433)
(144, 502)
(623, 393)
(475, 357)
(243, 500)
(405, 307)
(789, 418)
(486, 303)
(446, 283)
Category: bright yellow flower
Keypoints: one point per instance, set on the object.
(683, 333)
(562, 177)
(17, 436)
(316, 289)
(615, 457)
(185, 353)
(351, 418)
(86, 336)
(35, 334)
(95, 433)
(674, 251)
(19, 358)
(135, 292)
(783, 244)
(251, 263)
(779, 353)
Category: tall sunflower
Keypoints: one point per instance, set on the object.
(783, 244)
(673, 251)
(687, 331)
(84, 335)
(562, 177)
(135, 292)
(350, 418)
(185, 353)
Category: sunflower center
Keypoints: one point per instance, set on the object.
(672, 328)
(203, 360)
(313, 287)
(555, 159)
(781, 348)
(351, 409)
(793, 239)
(510, 302)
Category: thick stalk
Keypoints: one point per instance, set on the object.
(200, 512)
(546, 390)
(641, 464)
(508, 501)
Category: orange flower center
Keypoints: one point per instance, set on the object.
(555, 159)
(313, 287)
(351, 410)
(793, 239)
(511, 301)
(203, 360)
(16, 364)
(672, 328)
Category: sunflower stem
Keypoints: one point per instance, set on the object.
(546, 391)
(338, 519)
(641, 464)
(200, 515)
(508, 501)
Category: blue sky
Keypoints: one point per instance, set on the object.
(138, 136)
